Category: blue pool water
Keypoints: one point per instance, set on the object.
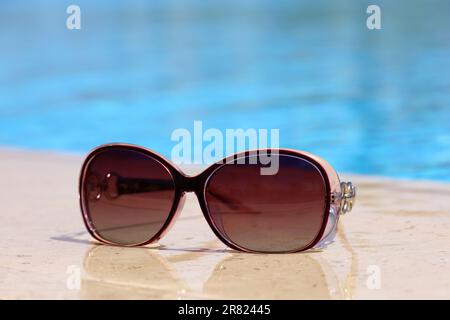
(371, 102)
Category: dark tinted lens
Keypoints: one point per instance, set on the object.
(268, 213)
(127, 196)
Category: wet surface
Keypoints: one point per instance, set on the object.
(394, 244)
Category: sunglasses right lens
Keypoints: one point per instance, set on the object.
(126, 195)
(283, 212)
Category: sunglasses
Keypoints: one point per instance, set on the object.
(130, 196)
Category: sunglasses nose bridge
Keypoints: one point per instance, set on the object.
(188, 184)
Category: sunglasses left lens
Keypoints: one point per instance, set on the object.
(284, 212)
(126, 195)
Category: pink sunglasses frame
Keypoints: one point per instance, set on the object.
(340, 195)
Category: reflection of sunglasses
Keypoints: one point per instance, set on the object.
(130, 196)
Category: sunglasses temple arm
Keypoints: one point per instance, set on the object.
(232, 203)
(142, 184)
(114, 186)
(137, 185)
